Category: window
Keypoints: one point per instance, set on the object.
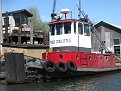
(6, 21)
(67, 27)
(17, 21)
(86, 30)
(80, 28)
(74, 27)
(52, 29)
(116, 41)
(59, 29)
(24, 20)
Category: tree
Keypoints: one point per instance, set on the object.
(38, 24)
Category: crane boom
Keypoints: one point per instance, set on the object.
(54, 6)
(53, 10)
(95, 32)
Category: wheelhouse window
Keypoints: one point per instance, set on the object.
(59, 28)
(67, 27)
(52, 29)
(86, 30)
(80, 28)
(75, 27)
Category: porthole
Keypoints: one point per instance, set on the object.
(77, 57)
(100, 57)
(107, 58)
(61, 56)
(90, 58)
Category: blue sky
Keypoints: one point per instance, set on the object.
(97, 10)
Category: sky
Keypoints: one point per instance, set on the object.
(97, 10)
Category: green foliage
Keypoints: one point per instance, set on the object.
(38, 24)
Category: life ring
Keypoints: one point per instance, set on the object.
(71, 66)
(61, 66)
(49, 66)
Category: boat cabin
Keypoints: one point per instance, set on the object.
(70, 34)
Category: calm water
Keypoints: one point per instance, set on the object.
(100, 82)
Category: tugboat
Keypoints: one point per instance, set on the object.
(70, 48)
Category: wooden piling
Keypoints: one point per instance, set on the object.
(15, 70)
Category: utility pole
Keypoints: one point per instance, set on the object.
(31, 32)
(1, 30)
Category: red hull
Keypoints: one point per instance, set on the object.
(82, 59)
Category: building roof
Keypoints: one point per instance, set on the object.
(109, 26)
(19, 11)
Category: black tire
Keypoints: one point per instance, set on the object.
(71, 66)
(61, 66)
(49, 66)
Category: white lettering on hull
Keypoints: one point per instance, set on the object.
(60, 41)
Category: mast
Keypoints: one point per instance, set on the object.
(79, 15)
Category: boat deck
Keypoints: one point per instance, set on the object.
(98, 69)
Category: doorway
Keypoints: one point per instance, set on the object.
(117, 51)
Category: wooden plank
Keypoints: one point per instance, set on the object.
(15, 70)
(20, 69)
(10, 68)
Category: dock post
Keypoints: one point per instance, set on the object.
(14, 67)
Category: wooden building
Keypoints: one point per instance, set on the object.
(110, 35)
(17, 34)
(15, 19)
(17, 28)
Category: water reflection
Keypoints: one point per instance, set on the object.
(101, 82)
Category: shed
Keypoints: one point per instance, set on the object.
(110, 35)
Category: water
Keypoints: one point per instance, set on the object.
(100, 82)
